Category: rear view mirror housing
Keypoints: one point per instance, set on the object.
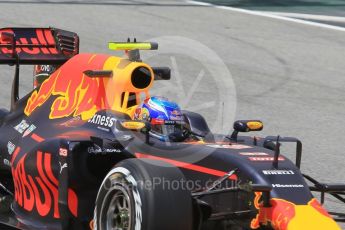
(139, 126)
(245, 126)
(162, 73)
(133, 125)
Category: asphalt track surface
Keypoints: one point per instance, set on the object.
(289, 75)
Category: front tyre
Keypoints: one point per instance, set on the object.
(137, 195)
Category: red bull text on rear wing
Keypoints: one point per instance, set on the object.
(37, 46)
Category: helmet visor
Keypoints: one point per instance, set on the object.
(165, 130)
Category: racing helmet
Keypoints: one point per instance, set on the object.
(165, 116)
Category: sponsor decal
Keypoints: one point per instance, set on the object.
(45, 68)
(98, 150)
(142, 114)
(104, 129)
(228, 146)
(287, 185)
(39, 37)
(63, 152)
(39, 192)
(176, 113)
(25, 128)
(176, 118)
(102, 120)
(7, 162)
(10, 147)
(265, 159)
(29, 130)
(235, 146)
(168, 122)
(278, 172)
(253, 154)
(22, 126)
(62, 166)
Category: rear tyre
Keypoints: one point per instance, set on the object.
(138, 194)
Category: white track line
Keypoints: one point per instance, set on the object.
(316, 17)
(267, 15)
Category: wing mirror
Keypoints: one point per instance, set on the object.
(132, 125)
(245, 126)
(162, 73)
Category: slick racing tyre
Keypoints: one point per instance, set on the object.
(136, 195)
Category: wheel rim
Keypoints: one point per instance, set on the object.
(119, 210)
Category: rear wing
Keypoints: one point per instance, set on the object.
(34, 46)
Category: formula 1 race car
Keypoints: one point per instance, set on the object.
(72, 157)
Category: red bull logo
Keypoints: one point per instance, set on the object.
(279, 215)
(284, 215)
(74, 93)
(42, 37)
(40, 192)
(141, 114)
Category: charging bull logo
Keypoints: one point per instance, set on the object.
(41, 191)
(75, 93)
(279, 215)
(284, 215)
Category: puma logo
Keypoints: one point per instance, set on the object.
(62, 166)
